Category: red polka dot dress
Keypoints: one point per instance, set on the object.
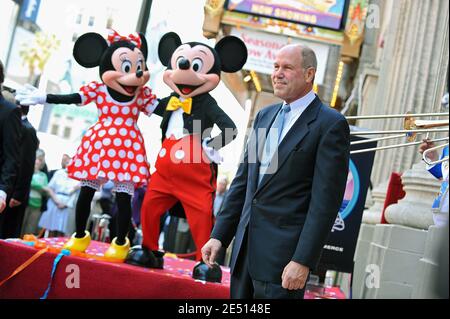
(113, 148)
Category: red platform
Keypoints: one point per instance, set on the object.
(99, 279)
(106, 280)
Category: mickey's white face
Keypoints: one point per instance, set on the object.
(189, 74)
(129, 72)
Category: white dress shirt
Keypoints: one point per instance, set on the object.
(176, 124)
(297, 108)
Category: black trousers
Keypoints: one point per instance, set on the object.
(242, 286)
(11, 221)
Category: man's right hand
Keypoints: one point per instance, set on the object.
(14, 203)
(210, 251)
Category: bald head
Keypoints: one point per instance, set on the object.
(303, 52)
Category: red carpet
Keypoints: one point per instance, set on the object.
(99, 279)
(106, 280)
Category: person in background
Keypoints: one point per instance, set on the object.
(14, 213)
(62, 191)
(10, 135)
(221, 192)
(39, 183)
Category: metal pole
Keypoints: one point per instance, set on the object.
(392, 146)
(391, 116)
(397, 131)
(144, 16)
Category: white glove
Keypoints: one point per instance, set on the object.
(29, 95)
(213, 155)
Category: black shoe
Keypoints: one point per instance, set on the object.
(203, 272)
(141, 256)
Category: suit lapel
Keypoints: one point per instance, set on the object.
(259, 138)
(294, 136)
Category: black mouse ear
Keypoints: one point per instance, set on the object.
(232, 52)
(144, 46)
(167, 45)
(89, 48)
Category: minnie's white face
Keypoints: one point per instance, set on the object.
(189, 74)
(129, 72)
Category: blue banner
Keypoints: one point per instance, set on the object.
(29, 10)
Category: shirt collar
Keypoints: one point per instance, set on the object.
(303, 102)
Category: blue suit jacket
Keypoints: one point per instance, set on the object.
(289, 215)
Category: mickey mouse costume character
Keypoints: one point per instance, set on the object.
(183, 172)
(113, 148)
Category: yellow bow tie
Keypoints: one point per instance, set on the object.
(174, 104)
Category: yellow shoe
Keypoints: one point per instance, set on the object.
(78, 244)
(116, 251)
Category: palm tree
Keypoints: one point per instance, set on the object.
(35, 55)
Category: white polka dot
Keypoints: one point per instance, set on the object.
(107, 123)
(162, 152)
(117, 142)
(86, 144)
(97, 127)
(92, 94)
(143, 170)
(123, 131)
(139, 102)
(77, 174)
(118, 121)
(133, 134)
(84, 174)
(179, 154)
(130, 155)
(125, 165)
(95, 158)
(80, 150)
(107, 141)
(93, 170)
(105, 110)
(98, 145)
(137, 146)
(111, 153)
(106, 164)
(78, 163)
(125, 110)
(136, 179)
(93, 137)
(127, 143)
(102, 153)
(93, 85)
(114, 109)
(116, 164)
(90, 149)
(89, 133)
(133, 167)
(122, 154)
(129, 122)
(111, 175)
(135, 111)
(120, 176)
(112, 131)
(102, 133)
(87, 162)
(101, 174)
(127, 176)
(140, 139)
(99, 100)
(140, 158)
(109, 99)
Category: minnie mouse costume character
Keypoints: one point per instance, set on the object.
(183, 172)
(113, 148)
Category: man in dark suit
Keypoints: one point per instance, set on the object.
(10, 133)
(282, 204)
(14, 213)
